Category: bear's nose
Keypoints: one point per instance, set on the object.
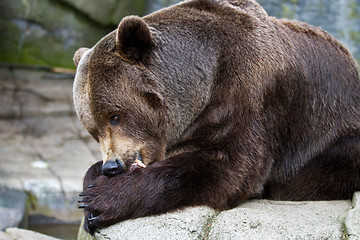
(112, 168)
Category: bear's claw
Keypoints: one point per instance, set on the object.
(84, 199)
(89, 223)
(92, 218)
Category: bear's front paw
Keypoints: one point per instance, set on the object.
(109, 200)
(99, 203)
(90, 221)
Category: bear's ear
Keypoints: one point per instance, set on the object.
(153, 99)
(133, 39)
(78, 54)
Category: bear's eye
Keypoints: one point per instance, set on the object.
(114, 120)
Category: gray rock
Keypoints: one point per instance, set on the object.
(190, 223)
(22, 234)
(257, 219)
(12, 207)
(49, 32)
(25, 94)
(44, 32)
(109, 12)
(43, 147)
(4, 236)
(352, 222)
(10, 217)
(263, 219)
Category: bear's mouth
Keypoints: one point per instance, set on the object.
(138, 163)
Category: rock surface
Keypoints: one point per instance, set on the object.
(190, 223)
(108, 12)
(12, 208)
(48, 32)
(257, 219)
(22, 234)
(44, 150)
(282, 220)
(352, 222)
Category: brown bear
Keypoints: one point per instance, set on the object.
(212, 102)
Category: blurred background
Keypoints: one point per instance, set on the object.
(47, 32)
(44, 150)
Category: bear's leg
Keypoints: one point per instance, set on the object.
(188, 179)
(334, 174)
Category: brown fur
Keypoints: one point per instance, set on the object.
(225, 103)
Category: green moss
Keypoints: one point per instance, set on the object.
(287, 12)
(31, 201)
(345, 235)
(44, 33)
(355, 36)
(24, 47)
(354, 14)
(340, 33)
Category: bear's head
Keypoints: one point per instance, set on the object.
(139, 89)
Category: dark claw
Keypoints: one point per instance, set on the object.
(91, 219)
(90, 186)
(82, 194)
(86, 226)
(83, 206)
(84, 200)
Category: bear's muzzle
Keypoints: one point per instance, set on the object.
(112, 168)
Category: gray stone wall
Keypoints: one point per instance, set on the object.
(48, 32)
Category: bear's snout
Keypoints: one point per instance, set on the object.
(112, 168)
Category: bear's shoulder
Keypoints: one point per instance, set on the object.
(315, 32)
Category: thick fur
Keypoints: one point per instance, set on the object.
(224, 103)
